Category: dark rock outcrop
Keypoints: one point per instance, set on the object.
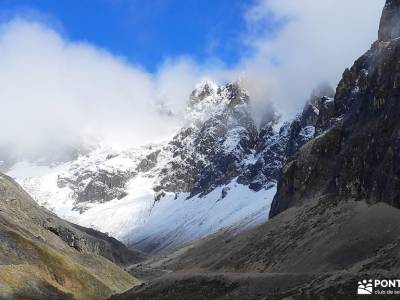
(148, 162)
(359, 157)
(389, 28)
(100, 186)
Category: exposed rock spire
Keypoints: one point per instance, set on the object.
(389, 27)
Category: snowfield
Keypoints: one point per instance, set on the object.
(138, 219)
(172, 221)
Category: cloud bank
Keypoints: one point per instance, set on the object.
(55, 92)
(316, 42)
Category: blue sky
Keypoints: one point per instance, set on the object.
(67, 73)
(146, 32)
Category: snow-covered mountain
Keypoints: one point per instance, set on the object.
(220, 170)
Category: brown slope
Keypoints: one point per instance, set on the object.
(22, 207)
(44, 257)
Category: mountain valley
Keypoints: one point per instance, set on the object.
(227, 208)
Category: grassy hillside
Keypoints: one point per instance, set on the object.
(38, 263)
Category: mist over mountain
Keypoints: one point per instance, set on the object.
(70, 95)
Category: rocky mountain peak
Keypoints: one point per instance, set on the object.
(389, 27)
(208, 99)
(235, 93)
(203, 90)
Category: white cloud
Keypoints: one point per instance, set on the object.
(321, 38)
(54, 91)
(57, 92)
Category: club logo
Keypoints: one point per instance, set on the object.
(365, 287)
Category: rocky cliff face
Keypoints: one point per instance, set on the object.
(389, 28)
(358, 157)
(224, 142)
(209, 152)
